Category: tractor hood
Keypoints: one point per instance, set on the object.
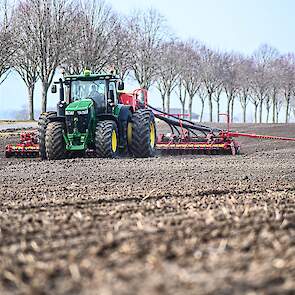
(79, 105)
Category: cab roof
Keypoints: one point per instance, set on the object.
(88, 76)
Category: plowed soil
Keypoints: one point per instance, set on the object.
(164, 225)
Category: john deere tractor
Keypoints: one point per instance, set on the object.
(91, 116)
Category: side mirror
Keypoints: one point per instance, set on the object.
(121, 85)
(53, 89)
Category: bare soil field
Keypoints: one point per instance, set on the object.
(164, 225)
(4, 125)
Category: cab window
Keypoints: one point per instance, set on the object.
(113, 92)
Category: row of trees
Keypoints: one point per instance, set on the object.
(38, 36)
(265, 79)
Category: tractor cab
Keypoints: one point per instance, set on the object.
(102, 89)
(95, 90)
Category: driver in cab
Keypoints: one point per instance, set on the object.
(96, 96)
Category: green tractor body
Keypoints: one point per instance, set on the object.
(80, 124)
(91, 116)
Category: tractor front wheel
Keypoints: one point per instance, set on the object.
(142, 135)
(54, 141)
(42, 125)
(106, 139)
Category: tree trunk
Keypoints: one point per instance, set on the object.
(243, 102)
(210, 107)
(267, 114)
(287, 110)
(273, 108)
(218, 110)
(190, 106)
(260, 110)
(182, 98)
(168, 102)
(274, 112)
(163, 102)
(183, 106)
(228, 107)
(244, 112)
(31, 101)
(232, 110)
(255, 112)
(45, 87)
(202, 110)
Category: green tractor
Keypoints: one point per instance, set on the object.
(94, 114)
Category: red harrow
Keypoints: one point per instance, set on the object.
(27, 147)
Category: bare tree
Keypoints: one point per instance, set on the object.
(26, 67)
(245, 70)
(279, 104)
(255, 102)
(274, 88)
(182, 93)
(211, 74)
(230, 80)
(148, 31)
(93, 41)
(189, 80)
(288, 81)
(121, 50)
(48, 25)
(169, 69)
(7, 42)
(191, 74)
(263, 57)
(216, 97)
(162, 89)
(25, 63)
(202, 94)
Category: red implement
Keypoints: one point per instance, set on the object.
(27, 147)
(137, 99)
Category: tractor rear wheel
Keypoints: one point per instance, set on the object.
(142, 134)
(106, 139)
(42, 125)
(54, 141)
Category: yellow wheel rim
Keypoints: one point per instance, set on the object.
(114, 141)
(152, 135)
(129, 133)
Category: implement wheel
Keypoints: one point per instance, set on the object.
(54, 141)
(106, 139)
(42, 125)
(142, 134)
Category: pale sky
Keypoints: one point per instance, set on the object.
(233, 25)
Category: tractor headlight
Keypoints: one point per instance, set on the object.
(69, 113)
(85, 112)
